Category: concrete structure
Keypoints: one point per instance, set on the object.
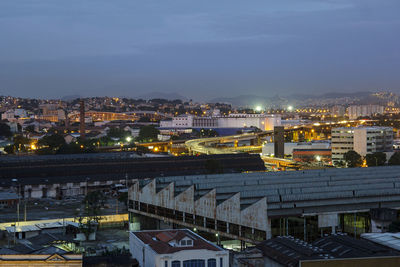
(175, 248)
(279, 141)
(268, 148)
(356, 111)
(264, 122)
(363, 140)
(58, 176)
(242, 206)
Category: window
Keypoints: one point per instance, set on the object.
(165, 263)
(221, 262)
(212, 263)
(176, 264)
(189, 242)
(194, 263)
(183, 242)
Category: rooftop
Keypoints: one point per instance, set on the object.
(289, 251)
(168, 241)
(391, 240)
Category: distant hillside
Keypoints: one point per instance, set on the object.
(168, 96)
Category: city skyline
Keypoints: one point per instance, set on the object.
(198, 50)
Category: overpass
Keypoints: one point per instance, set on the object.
(254, 206)
(208, 145)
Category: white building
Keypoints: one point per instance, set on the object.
(356, 111)
(14, 114)
(264, 122)
(175, 248)
(268, 148)
(363, 140)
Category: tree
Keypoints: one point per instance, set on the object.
(5, 130)
(123, 197)
(89, 219)
(148, 133)
(10, 149)
(53, 141)
(20, 142)
(30, 129)
(353, 159)
(394, 159)
(376, 159)
(117, 133)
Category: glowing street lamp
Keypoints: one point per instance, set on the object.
(290, 108)
(128, 139)
(258, 108)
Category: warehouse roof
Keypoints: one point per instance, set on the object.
(299, 192)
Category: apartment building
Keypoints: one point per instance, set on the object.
(363, 140)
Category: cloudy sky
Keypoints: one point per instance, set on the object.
(199, 49)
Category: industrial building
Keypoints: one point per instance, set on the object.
(58, 176)
(254, 206)
(333, 250)
(264, 122)
(363, 140)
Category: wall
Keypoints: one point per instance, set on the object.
(199, 254)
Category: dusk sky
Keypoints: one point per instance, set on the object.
(199, 49)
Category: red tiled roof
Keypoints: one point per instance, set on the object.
(158, 240)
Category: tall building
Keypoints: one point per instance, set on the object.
(356, 111)
(363, 140)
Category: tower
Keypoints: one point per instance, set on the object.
(82, 119)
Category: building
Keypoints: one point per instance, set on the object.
(318, 155)
(175, 248)
(289, 148)
(333, 250)
(252, 207)
(14, 114)
(338, 111)
(58, 176)
(8, 199)
(264, 122)
(50, 260)
(363, 140)
(356, 111)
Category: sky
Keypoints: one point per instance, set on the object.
(198, 49)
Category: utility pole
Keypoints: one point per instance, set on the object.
(117, 206)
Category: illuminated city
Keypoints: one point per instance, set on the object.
(199, 135)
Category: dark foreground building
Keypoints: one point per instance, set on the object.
(69, 175)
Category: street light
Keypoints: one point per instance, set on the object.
(290, 108)
(128, 139)
(258, 108)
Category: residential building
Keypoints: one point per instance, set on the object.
(356, 111)
(175, 248)
(363, 140)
